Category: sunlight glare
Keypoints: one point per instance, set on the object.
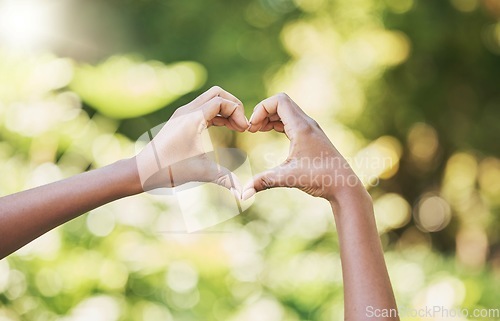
(24, 24)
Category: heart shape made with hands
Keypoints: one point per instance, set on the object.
(176, 156)
(312, 162)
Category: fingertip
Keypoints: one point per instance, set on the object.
(248, 193)
(249, 185)
(243, 126)
(251, 118)
(239, 118)
(255, 127)
(248, 125)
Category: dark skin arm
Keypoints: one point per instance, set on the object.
(316, 167)
(26, 215)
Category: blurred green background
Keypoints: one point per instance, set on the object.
(406, 89)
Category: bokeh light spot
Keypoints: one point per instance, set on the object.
(433, 213)
(182, 277)
(391, 211)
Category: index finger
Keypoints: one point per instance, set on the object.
(227, 109)
(215, 91)
(281, 105)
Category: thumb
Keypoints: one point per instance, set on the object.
(227, 179)
(275, 177)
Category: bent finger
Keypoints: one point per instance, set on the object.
(276, 125)
(276, 177)
(215, 91)
(221, 121)
(219, 106)
(279, 105)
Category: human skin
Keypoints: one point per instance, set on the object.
(26, 215)
(316, 167)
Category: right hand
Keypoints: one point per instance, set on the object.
(313, 165)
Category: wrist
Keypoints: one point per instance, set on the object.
(351, 199)
(129, 176)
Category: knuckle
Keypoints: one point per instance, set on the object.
(216, 88)
(308, 126)
(282, 96)
(305, 128)
(217, 100)
(266, 182)
(313, 123)
(177, 112)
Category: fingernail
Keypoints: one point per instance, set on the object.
(247, 194)
(250, 123)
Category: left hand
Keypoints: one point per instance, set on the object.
(176, 155)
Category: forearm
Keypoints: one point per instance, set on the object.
(26, 215)
(366, 281)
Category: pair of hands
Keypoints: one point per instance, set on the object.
(176, 156)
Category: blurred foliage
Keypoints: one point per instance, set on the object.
(125, 88)
(406, 89)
